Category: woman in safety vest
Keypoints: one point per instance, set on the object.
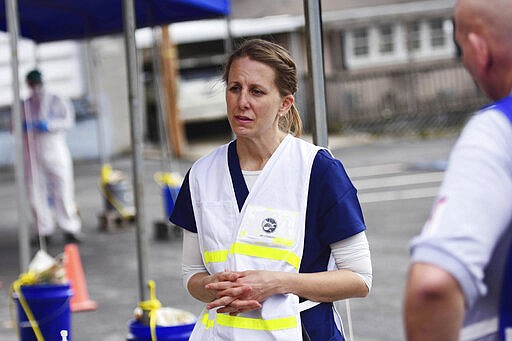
(264, 213)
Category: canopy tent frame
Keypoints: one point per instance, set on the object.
(136, 131)
(315, 62)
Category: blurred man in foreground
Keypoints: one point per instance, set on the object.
(458, 285)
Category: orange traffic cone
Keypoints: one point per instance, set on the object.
(75, 273)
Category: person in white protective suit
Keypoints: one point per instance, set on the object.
(264, 214)
(48, 163)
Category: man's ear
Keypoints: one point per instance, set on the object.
(481, 50)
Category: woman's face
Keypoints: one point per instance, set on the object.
(253, 100)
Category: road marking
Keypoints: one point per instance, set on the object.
(403, 194)
(398, 180)
(391, 168)
(383, 177)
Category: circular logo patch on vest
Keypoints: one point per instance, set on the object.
(269, 225)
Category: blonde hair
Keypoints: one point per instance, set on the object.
(279, 59)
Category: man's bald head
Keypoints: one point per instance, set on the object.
(492, 16)
(483, 31)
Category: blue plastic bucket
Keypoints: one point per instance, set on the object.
(50, 307)
(140, 332)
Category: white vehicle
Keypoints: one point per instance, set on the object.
(201, 99)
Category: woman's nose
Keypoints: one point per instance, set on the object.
(243, 100)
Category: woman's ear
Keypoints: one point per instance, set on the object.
(482, 54)
(286, 104)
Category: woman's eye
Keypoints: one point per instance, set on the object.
(257, 92)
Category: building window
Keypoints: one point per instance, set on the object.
(437, 34)
(400, 42)
(360, 42)
(386, 43)
(413, 36)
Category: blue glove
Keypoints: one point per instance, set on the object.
(41, 126)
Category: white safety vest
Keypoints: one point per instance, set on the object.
(267, 234)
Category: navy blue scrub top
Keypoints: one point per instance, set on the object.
(333, 213)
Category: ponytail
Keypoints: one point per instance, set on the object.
(291, 122)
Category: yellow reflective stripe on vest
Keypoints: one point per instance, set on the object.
(250, 323)
(206, 321)
(215, 256)
(256, 324)
(254, 251)
(265, 252)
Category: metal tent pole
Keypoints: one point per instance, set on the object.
(23, 231)
(313, 16)
(92, 81)
(161, 105)
(137, 142)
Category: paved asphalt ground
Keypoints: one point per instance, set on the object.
(397, 180)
